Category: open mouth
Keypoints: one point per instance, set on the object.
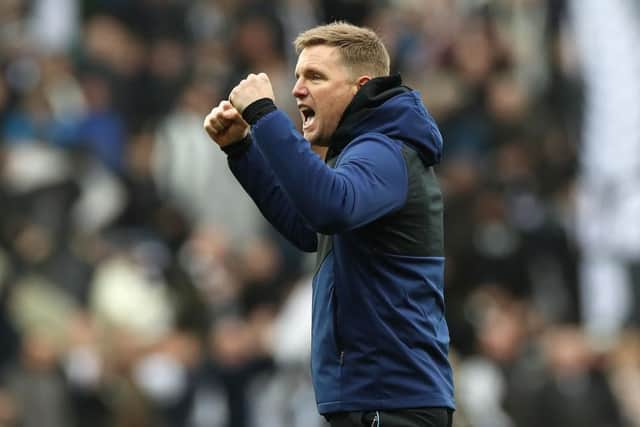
(307, 115)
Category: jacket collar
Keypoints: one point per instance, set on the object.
(370, 96)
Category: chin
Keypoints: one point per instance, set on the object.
(310, 137)
(315, 138)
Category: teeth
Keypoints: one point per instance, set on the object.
(307, 115)
(307, 121)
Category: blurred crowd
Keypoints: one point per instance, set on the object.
(140, 287)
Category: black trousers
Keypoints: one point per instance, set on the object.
(420, 417)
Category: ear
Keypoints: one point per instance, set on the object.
(362, 80)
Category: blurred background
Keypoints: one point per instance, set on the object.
(140, 287)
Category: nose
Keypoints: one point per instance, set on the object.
(300, 89)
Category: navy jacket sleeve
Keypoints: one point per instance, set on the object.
(259, 181)
(368, 181)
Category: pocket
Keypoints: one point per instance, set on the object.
(356, 419)
(420, 417)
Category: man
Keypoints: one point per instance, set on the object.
(372, 211)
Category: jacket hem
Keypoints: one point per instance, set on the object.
(325, 408)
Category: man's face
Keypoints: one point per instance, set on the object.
(324, 87)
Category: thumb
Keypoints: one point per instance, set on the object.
(230, 113)
(226, 105)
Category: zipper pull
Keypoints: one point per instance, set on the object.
(342, 358)
(376, 420)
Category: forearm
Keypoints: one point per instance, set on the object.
(254, 174)
(368, 184)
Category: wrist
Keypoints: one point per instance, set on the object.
(258, 109)
(237, 148)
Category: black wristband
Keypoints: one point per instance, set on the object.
(258, 109)
(237, 148)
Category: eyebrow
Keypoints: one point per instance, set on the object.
(309, 70)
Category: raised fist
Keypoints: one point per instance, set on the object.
(225, 124)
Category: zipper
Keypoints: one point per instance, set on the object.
(334, 315)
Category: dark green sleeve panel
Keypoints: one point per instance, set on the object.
(416, 229)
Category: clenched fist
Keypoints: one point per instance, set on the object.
(225, 124)
(253, 88)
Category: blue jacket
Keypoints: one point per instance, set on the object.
(373, 212)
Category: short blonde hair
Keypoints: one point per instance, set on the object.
(361, 48)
